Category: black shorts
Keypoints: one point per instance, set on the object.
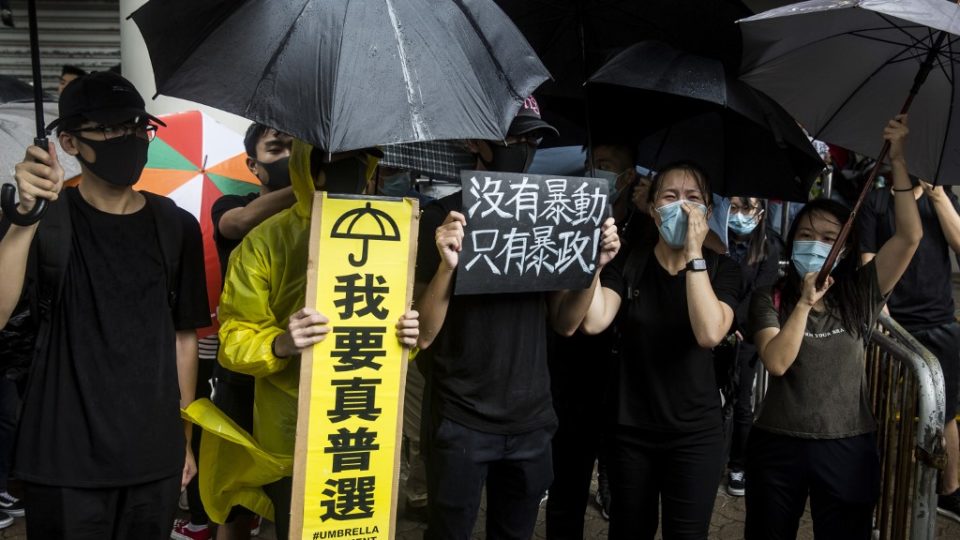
(944, 342)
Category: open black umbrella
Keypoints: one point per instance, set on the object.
(681, 106)
(8, 192)
(575, 37)
(841, 68)
(346, 75)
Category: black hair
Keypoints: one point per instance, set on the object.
(72, 70)
(845, 299)
(694, 170)
(757, 240)
(254, 133)
(631, 150)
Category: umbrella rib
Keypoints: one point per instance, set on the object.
(850, 96)
(943, 145)
(416, 119)
(489, 48)
(276, 55)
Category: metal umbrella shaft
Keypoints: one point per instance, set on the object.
(918, 81)
(7, 191)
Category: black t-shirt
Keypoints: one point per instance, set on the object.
(665, 381)
(754, 276)
(923, 298)
(102, 406)
(488, 363)
(225, 246)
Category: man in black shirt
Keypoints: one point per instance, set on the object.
(488, 415)
(102, 450)
(922, 301)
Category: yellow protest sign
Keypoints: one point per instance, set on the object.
(346, 462)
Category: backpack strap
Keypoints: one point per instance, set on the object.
(49, 257)
(166, 216)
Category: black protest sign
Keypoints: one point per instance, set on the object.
(529, 232)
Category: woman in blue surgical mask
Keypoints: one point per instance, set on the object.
(758, 254)
(815, 435)
(674, 301)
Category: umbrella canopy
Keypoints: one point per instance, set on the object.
(13, 89)
(17, 130)
(681, 106)
(843, 68)
(194, 161)
(346, 75)
(575, 37)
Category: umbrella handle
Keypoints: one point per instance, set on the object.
(9, 207)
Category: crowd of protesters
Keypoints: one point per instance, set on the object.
(647, 375)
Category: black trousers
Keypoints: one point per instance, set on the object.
(678, 471)
(944, 342)
(576, 446)
(516, 469)
(743, 406)
(139, 512)
(841, 477)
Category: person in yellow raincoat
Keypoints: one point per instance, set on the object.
(264, 328)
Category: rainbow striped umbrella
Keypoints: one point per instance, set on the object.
(194, 161)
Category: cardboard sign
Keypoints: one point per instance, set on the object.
(346, 462)
(529, 232)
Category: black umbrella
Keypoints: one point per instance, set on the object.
(575, 37)
(345, 75)
(841, 67)
(7, 192)
(681, 106)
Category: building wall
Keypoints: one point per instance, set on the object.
(85, 33)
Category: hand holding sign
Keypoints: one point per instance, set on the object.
(307, 327)
(408, 329)
(450, 239)
(609, 242)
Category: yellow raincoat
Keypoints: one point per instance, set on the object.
(264, 285)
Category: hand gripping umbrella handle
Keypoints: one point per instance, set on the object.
(918, 81)
(9, 207)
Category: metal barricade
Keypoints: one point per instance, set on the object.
(905, 386)
(905, 389)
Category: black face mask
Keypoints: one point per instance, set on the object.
(119, 162)
(278, 174)
(345, 176)
(515, 158)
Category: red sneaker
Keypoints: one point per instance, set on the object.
(182, 531)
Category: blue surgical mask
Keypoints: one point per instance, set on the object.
(740, 224)
(809, 256)
(673, 222)
(396, 185)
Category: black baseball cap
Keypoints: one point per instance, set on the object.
(528, 121)
(103, 97)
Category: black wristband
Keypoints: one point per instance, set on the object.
(273, 347)
(902, 190)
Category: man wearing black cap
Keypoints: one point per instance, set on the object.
(118, 277)
(488, 417)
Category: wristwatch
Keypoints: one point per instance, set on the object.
(696, 265)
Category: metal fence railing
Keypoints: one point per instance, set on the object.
(906, 389)
(905, 386)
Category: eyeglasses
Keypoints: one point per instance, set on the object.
(745, 210)
(118, 133)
